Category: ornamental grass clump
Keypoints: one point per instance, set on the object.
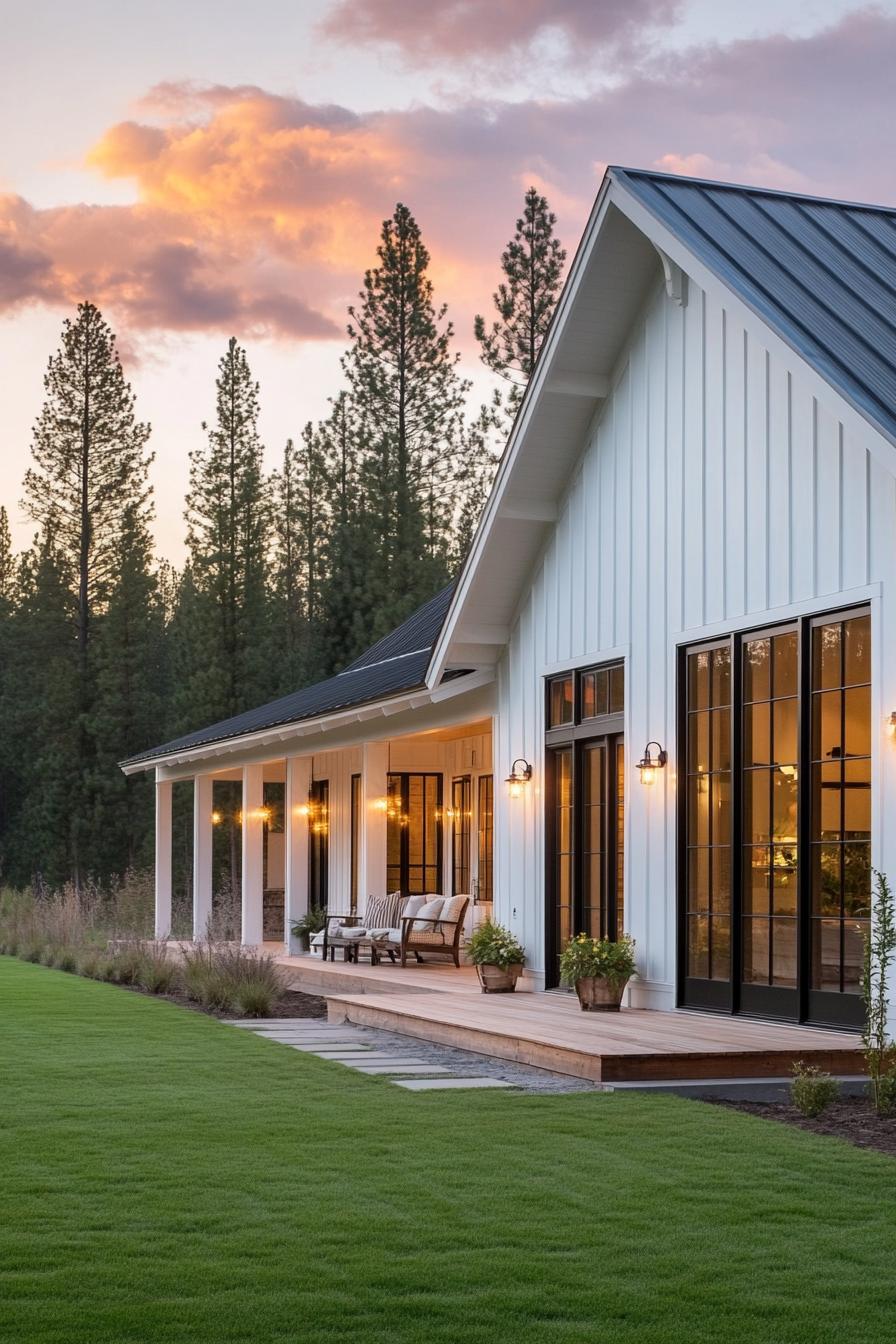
(812, 1091)
(157, 972)
(586, 958)
(493, 945)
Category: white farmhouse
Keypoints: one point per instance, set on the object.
(676, 631)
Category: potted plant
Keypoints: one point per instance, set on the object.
(599, 969)
(311, 923)
(498, 957)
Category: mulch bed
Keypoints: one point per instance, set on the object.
(852, 1119)
(292, 1004)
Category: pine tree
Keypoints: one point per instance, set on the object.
(525, 300)
(90, 468)
(40, 708)
(228, 526)
(131, 682)
(400, 369)
(352, 546)
(7, 565)
(298, 493)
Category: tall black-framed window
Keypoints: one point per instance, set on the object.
(485, 823)
(414, 834)
(319, 842)
(356, 840)
(461, 821)
(775, 819)
(585, 807)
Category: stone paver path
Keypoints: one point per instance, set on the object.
(407, 1062)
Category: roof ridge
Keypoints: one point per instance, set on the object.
(754, 190)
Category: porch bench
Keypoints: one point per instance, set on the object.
(442, 934)
(352, 932)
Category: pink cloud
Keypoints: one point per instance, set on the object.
(463, 28)
(257, 214)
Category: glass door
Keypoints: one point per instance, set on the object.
(775, 820)
(586, 824)
(414, 834)
(319, 842)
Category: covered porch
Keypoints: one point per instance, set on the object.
(376, 808)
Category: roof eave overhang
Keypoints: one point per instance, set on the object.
(500, 497)
(284, 734)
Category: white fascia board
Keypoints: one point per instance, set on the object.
(284, 733)
(880, 445)
(537, 386)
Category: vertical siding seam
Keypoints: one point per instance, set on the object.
(683, 466)
(703, 455)
(746, 455)
(789, 486)
(840, 523)
(768, 482)
(867, 516)
(815, 576)
(723, 449)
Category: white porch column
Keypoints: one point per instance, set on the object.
(372, 865)
(163, 857)
(253, 856)
(202, 854)
(298, 784)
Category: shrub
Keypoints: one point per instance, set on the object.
(493, 945)
(47, 955)
(66, 960)
(88, 963)
(127, 960)
(31, 950)
(812, 1091)
(584, 957)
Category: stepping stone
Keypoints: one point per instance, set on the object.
(313, 1047)
(425, 1084)
(365, 1057)
(398, 1068)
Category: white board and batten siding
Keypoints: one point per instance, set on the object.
(715, 492)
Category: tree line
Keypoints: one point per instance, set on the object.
(106, 650)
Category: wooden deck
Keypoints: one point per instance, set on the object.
(439, 1003)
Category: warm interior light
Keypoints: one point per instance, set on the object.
(303, 810)
(891, 723)
(381, 804)
(216, 818)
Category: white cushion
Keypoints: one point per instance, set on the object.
(431, 910)
(414, 904)
(451, 910)
(348, 931)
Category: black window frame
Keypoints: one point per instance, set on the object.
(485, 839)
(608, 729)
(404, 777)
(461, 834)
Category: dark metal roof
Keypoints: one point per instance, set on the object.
(419, 631)
(400, 665)
(822, 273)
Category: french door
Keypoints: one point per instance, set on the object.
(414, 834)
(775, 819)
(585, 842)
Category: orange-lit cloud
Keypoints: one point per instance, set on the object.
(257, 214)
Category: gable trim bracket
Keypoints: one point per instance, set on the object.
(675, 278)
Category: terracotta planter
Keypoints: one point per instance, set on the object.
(597, 995)
(499, 979)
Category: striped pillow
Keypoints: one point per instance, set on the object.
(383, 911)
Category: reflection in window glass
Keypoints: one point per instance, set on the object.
(561, 706)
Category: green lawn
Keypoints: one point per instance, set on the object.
(166, 1178)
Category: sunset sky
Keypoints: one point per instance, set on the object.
(201, 170)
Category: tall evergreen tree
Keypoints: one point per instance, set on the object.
(90, 469)
(228, 527)
(131, 683)
(41, 712)
(352, 544)
(401, 370)
(298, 492)
(525, 300)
